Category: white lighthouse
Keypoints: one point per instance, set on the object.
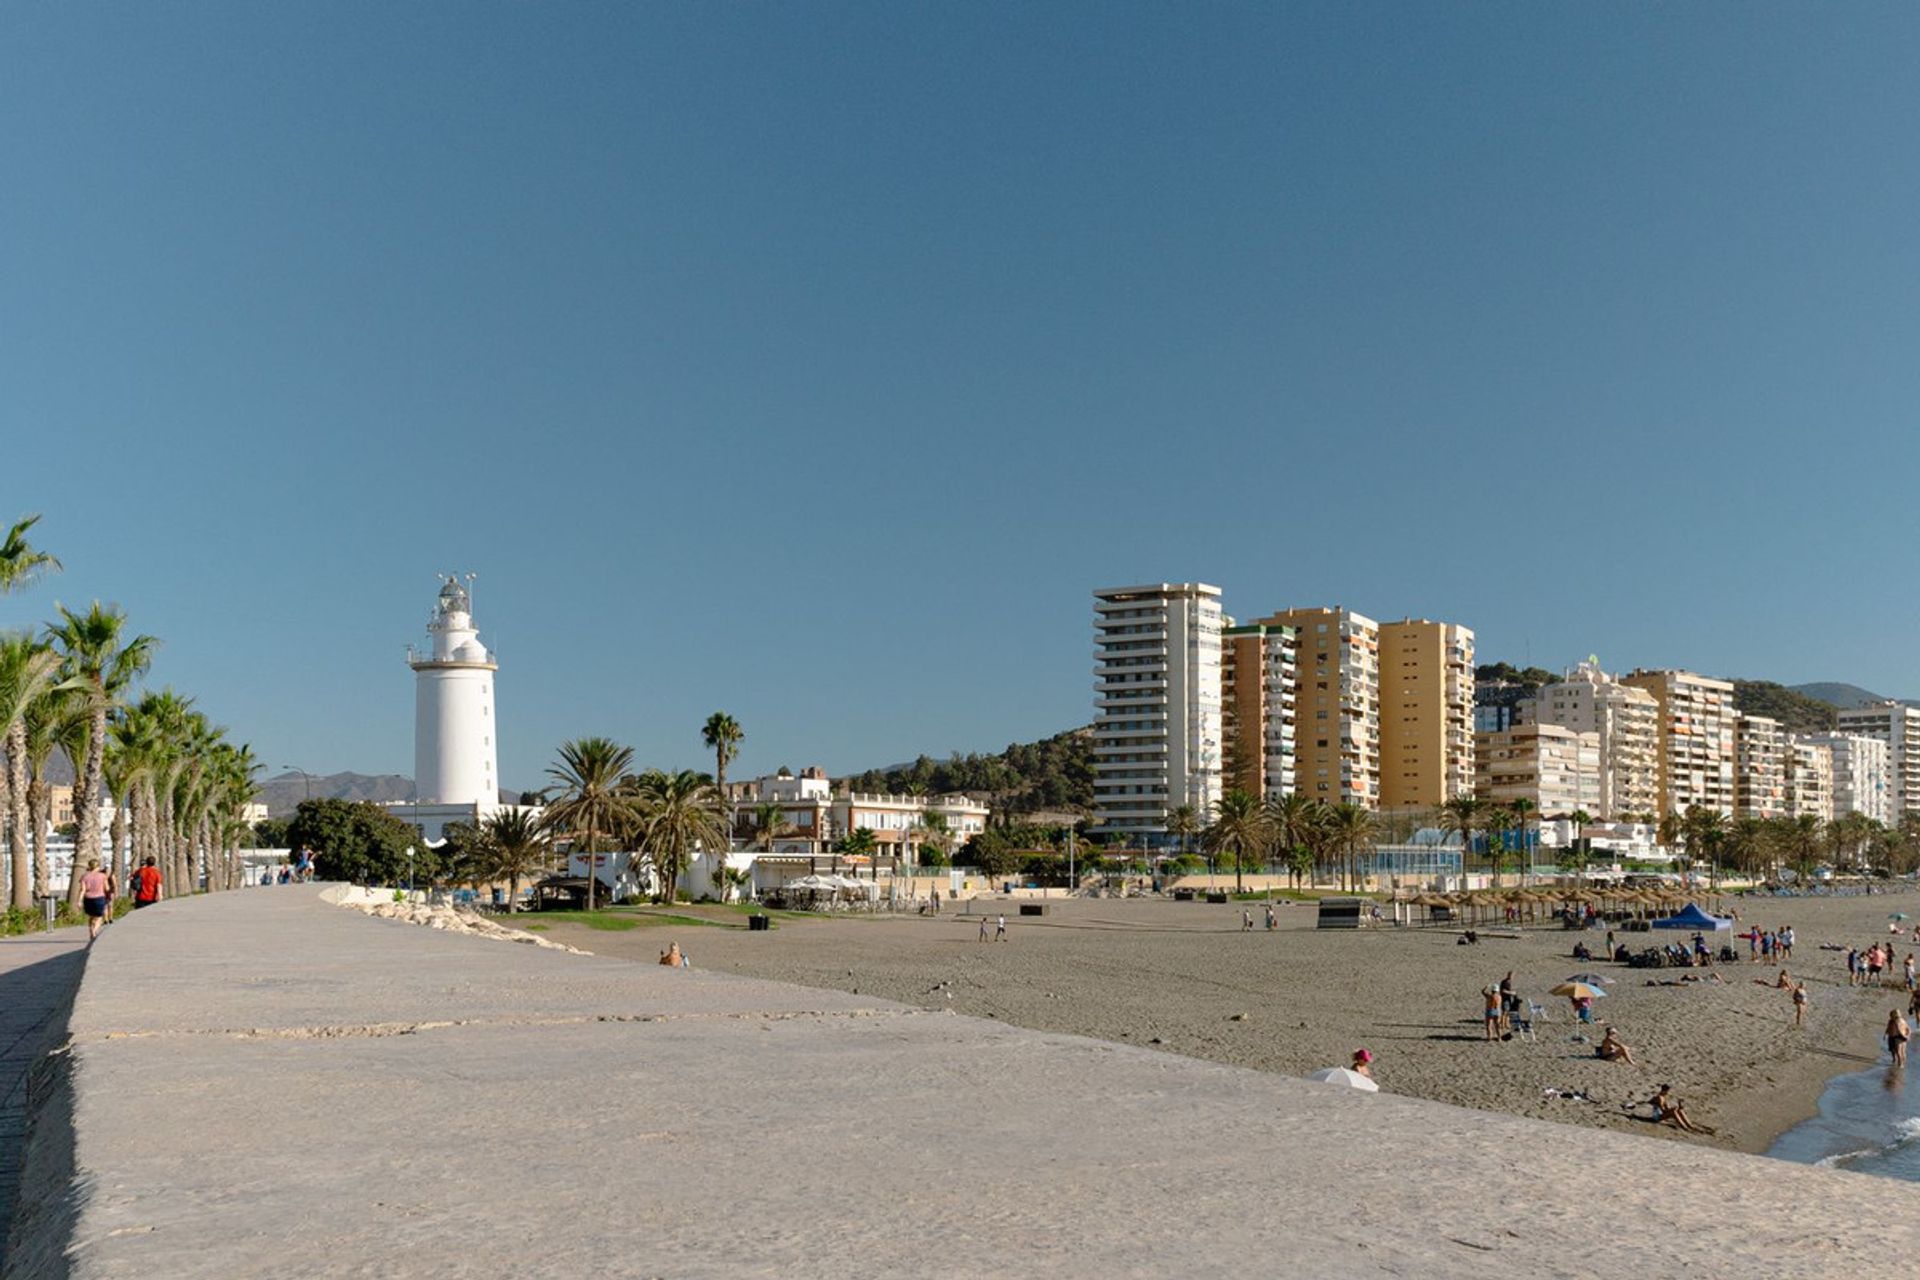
(455, 762)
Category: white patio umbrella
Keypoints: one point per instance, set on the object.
(1341, 1075)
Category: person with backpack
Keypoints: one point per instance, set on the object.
(146, 885)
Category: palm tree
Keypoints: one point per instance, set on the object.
(28, 672)
(519, 848)
(94, 655)
(1522, 807)
(1351, 828)
(1183, 822)
(1462, 814)
(1805, 840)
(1498, 822)
(20, 562)
(677, 812)
(49, 722)
(860, 843)
(1239, 830)
(722, 734)
(1289, 817)
(595, 800)
(770, 821)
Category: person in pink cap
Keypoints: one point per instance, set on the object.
(1363, 1062)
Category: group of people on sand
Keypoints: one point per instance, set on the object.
(1764, 946)
(1864, 968)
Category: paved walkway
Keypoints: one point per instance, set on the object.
(38, 974)
(262, 1084)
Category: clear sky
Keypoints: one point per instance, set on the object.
(815, 361)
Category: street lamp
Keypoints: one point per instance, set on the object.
(304, 774)
(409, 873)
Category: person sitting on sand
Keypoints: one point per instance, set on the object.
(1668, 1109)
(1613, 1049)
(1781, 983)
(1580, 951)
(671, 957)
(1363, 1063)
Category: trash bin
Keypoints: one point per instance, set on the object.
(759, 924)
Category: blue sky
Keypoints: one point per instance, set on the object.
(814, 362)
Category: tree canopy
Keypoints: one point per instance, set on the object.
(358, 841)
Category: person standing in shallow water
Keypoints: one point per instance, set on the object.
(1897, 1036)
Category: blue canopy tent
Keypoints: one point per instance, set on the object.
(1692, 917)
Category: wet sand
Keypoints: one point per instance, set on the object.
(1185, 979)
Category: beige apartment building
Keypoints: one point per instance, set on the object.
(1336, 704)
(1626, 720)
(1897, 725)
(1555, 769)
(1426, 713)
(1694, 739)
(1809, 778)
(1258, 675)
(1760, 767)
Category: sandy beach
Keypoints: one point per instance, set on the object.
(1184, 978)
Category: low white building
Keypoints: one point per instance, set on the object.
(813, 816)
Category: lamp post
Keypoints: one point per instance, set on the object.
(409, 873)
(304, 774)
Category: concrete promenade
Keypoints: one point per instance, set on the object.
(262, 1084)
(38, 974)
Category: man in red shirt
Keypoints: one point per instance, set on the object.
(146, 885)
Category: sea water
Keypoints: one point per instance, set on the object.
(1869, 1122)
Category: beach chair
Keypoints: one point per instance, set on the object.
(1537, 1012)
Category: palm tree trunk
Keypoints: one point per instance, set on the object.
(86, 801)
(39, 813)
(119, 837)
(17, 819)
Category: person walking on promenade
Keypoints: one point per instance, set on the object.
(146, 885)
(95, 897)
(1273, 921)
(1897, 1035)
(113, 895)
(1246, 919)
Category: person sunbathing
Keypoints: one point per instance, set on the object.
(1668, 1109)
(671, 956)
(1614, 1049)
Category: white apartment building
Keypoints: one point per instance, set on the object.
(1626, 720)
(1158, 736)
(1694, 737)
(1555, 769)
(813, 816)
(1809, 778)
(1861, 778)
(1760, 772)
(1897, 725)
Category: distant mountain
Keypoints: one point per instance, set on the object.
(285, 791)
(1845, 695)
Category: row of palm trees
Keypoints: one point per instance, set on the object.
(178, 788)
(598, 803)
(1302, 833)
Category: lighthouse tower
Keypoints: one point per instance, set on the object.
(455, 762)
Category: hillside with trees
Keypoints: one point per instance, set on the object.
(1053, 773)
(1795, 711)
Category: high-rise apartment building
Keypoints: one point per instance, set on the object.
(1555, 769)
(1426, 713)
(1336, 703)
(1809, 778)
(1861, 781)
(1897, 725)
(1694, 739)
(1157, 720)
(1257, 678)
(1626, 720)
(1760, 767)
